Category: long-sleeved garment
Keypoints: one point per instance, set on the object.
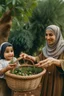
(4, 63)
(53, 80)
(4, 90)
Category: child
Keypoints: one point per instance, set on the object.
(7, 54)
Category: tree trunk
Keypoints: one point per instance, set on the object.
(5, 25)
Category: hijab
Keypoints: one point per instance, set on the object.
(3, 47)
(57, 48)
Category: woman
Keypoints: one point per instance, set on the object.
(51, 58)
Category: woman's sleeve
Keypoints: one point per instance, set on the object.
(62, 61)
(39, 57)
(61, 69)
(62, 64)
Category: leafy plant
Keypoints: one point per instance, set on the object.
(46, 13)
(21, 40)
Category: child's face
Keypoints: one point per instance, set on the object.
(9, 53)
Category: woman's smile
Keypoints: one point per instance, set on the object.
(50, 37)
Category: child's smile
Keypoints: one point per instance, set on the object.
(9, 53)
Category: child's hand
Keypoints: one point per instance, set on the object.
(11, 66)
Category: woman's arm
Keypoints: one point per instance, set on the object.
(33, 58)
(50, 61)
(62, 64)
(26, 56)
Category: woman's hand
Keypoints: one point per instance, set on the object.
(26, 57)
(48, 62)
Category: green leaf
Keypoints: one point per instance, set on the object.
(13, 2)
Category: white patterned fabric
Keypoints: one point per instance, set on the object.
(4, 63)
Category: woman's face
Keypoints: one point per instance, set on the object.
(50, 37)
(9, 53)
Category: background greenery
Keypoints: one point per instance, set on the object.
(29, 20)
